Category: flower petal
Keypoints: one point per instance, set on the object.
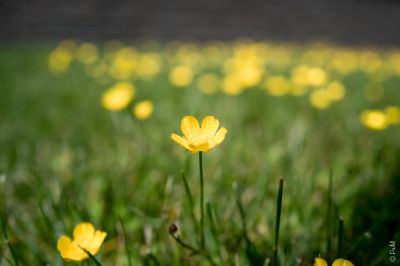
(342, 262)
(83, 233)
(320, 262)
(181, 141)
(209, 125)
(96, 242)
(190, 126)
(69, 250)
(220, 136)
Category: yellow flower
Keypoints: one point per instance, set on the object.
(118, 96)
(85, 238)
(181, 76)
(338, 262)
(143, 109)
(198, 139)
(374, 119)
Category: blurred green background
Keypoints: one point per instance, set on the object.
(304, 112)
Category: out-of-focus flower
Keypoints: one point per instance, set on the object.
(316, 76)
(200, 139)
(231, 86)
(337, 262)
(124, 63)
(392, 115)
(277, 85)
(149, 65)
(374, 119)
(181, 76)
(320, 99)
(59, 60)
(119, 96)
(208, 83)
(143, 109)
(335, 90)
(87, 53)
(85, 239)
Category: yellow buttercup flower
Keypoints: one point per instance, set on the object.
(85, 238)
(374, 119)
(143, 109)
(199, 139)
(118, 97)
(338, 262)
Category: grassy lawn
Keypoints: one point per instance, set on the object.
(306, 113)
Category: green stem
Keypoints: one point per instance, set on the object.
(127, 249)
(95, 261)
(3, 221)
(191, 201)
(328, 219)
(202, 242)
(278, 220)
(340, 238)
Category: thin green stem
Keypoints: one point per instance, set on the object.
(328, 219)
(202, 241)
(3, 221)
(340, 238)
(94, 260)
(241, 212)
(277, 221)
(190, 200)
(127, 249)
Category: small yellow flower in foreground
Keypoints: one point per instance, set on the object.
(198, 139)
(143, 109)
(85, 238)
(338, 262)
(374, 119)
(118, 97)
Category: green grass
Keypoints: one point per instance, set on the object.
(64, 159)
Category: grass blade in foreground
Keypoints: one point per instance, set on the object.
(340, 238)
(277, 221)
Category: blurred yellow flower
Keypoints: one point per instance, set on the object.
(277, 85)
(199, 139)
(374, 119)
(87, 53)
(149, 65)
(320, 99)
(181, 76)
(231, 86)
(208, 83)
(316, 76)
(85, 238)
(336, 91)
(392, 114)
(337, 262)
(118, 97)
(143, 109)
(124, 63)
(60, 60)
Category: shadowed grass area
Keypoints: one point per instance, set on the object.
(64, 159)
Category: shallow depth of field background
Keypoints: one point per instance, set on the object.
(299, 110)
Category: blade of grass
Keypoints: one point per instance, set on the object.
(340, 238)
(278, 220)
(3, 221)
(190, 201)
(127, 249)
(328, 218)
(94, 260)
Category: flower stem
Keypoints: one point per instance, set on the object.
(278, 220)
(202, 243)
